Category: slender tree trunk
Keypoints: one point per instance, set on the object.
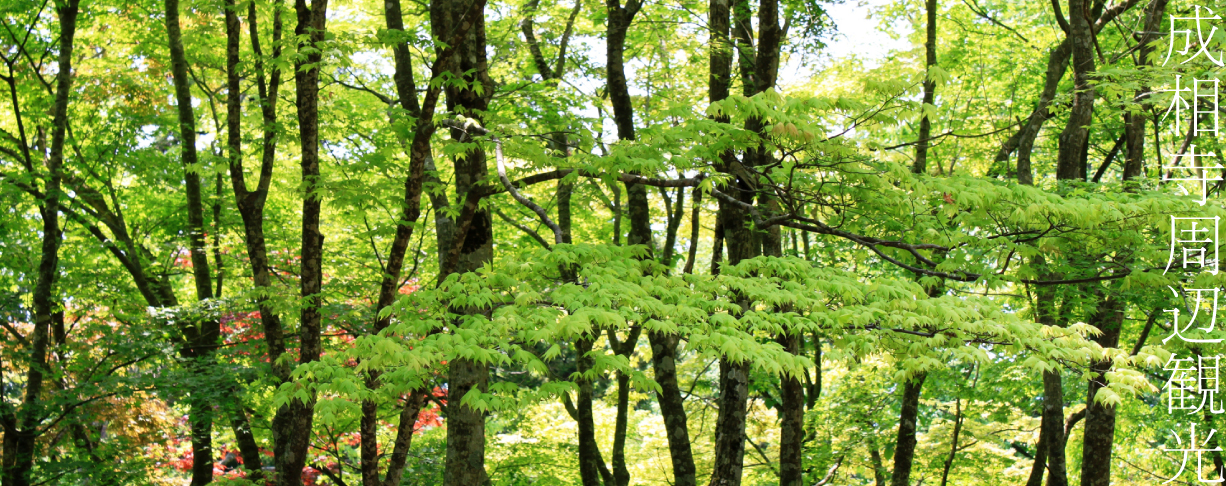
(1052, 438)
(880, 475)
(1052, 428)
(730, 423)
(692, 250)
(930, 86)
(814, 390)
(733, 376)
(204, 339)
(589, 454)
(1057, 64)
(419, 162)
(674, 215)
(21, 430)
(1040, 461)
(908, 421)
(621, 474)
(238, 417)
(404, 436)
(248, 448)
(758, 70)
(953, 448)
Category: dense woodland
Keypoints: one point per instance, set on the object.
(469, 242)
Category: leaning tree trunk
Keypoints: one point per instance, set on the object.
(1057, 64)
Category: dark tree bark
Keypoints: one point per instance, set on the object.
(673, 213)
(465, 460)
(250, 203)
(1074, 138)
(672, 407)
(791, 419)
(692, 251)
(880, 475)
(204, 338)
(1099, 437)
(620, 17)
(292, 423)
(248, 448)
(758, 71)
(589, 454)
(814, 388)
(621, 474)
(930, 86)
(904, 451)
(420, 161)
(730, 423)
(1134, 160)
(1040, 461)
(21, 428)
(953, 448)
(1052, 438)
(1057, 64)
(238, 417)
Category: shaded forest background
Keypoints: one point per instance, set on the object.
(470, 242)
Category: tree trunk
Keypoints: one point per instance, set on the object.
(730, 423)
(904, 452)
(621, 474)
(814, 388)
(672, 406)
(1074, 138)
(465, 460)
(1100, 419)
(205, 336)
(419, 159)
(791, 420)
(930, 86)
(953, 448)
(1057, 64)
(880, 475)
(21, 431)
(1134, 161)
(590, 462)
(292, 422)
(1040, 461)
(465, 463)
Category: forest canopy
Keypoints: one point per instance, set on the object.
(473, 242)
